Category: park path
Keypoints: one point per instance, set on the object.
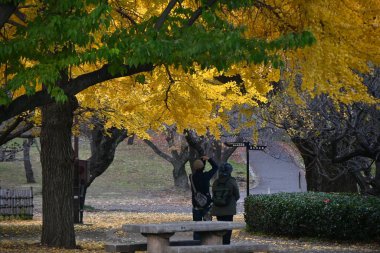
(276, 174)
(274, 170)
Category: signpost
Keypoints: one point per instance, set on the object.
(248, 146)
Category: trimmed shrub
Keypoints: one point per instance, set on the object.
(328, 215)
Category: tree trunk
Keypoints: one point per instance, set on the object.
(103, 148)
(178, 159)
(57, 160)
(375, 184)
(180, 175)
(321, 183)
(321, 174)
(27, 164)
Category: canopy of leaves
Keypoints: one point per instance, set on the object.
(63, 42)
(194, 99)
(66, 34)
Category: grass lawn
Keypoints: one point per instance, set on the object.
(136, 168)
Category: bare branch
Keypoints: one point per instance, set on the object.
(158, 151)
(199, 11)
(9, 128)
(164, 15)
(20, 15)
(125, 15)
(171, 82)
(15, 23)
(6, 11)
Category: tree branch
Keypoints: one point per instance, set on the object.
(346, 157)
(20, 15)
(9, 128)
(6, 11)
(14, 23)
(261, 4)
(82, 82)
(158, 151)
(199, 11)
(71, 88)
(125, 15)
(164, 15)
(19, 133)
(193, 143)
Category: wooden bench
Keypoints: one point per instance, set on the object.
(232, 248)
(133, 247)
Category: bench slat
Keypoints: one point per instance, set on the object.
(132, 247)
(125, 248)
(232, 248)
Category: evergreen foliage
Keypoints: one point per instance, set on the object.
(325, 215)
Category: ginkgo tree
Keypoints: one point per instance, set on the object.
(64, 47)
(346, 45)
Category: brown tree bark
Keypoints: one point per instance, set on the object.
(180, 175)
(322, 174)
(103, 148)
(178, 159)
(57, 160)
(27, 164)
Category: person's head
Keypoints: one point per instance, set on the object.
(198, 165)
(226, 169)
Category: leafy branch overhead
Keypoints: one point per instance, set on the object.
(64, 48)
(62, 37)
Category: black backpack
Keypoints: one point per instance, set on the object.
(221, 193)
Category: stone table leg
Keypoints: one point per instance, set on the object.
(212, 237)
(157, 243)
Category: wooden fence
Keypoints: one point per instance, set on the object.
(16, 203)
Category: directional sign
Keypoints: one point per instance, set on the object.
(251, 147)
(236, 144)
(248, 147)
(244, 144)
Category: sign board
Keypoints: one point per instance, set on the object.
(251, 147)
(236, 144)
(245, 144)
(248, 146)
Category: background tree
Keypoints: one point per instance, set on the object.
(338, 142)
(27, 143)
(176, 152)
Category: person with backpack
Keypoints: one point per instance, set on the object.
(225, 192)
(200, 188)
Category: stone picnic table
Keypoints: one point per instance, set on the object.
(158, 234)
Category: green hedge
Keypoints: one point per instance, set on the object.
(329, 215)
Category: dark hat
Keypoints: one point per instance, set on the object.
(198, 164)
(226, 169)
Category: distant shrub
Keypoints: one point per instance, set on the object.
(329, 215)
(89, 208)
(16, 217)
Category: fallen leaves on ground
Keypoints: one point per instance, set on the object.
(19, 236)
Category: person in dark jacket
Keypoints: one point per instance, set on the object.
(226, 211)
(201, 180)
